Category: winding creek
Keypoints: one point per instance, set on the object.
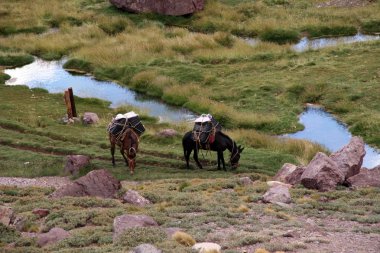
(51, 75)
(312, 44)
(320, 126)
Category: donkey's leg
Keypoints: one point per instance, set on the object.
(195, 156)
(113, 154)
(122, 151)
(220, 154)
(187, 153)
(222, 158)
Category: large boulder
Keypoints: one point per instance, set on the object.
(350, 158)
(53, 236)
(75, 162)
(366, 178)
(322, 174)
(165, 7)
(290, 174)
(278, 193)
(90, 118)
(133, 197)
(123, 222)
(98, 183)
(6, 215)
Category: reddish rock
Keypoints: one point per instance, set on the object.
(290, 174)
(40, 212)
(53, 236)
(75, 162)
(90, 118)
(165, 7)
(350, 158)
(123, 222)
(322, 174)
(277, 194)
(98, 183)
(6, 215)
(366, 178)
(133, 197)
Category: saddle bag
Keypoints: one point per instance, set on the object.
(205, 128)
(124, 121)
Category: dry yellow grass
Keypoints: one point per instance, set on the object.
(183, 238)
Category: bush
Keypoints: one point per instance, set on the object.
(77, 64)
(135, 236)
(320, 31)
(372, 26)
(183, 238)
(280, 36)
(4, 77)
(15, 60)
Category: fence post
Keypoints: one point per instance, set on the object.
(68, 104)
(72, 103)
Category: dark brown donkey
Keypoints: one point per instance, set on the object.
(128, 148)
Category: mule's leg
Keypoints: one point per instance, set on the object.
(195, 156)
(187, 153)
(113, 154)
(122, 151)
(220, 154)
(222, 158)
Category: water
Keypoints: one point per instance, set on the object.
(51, 76)
(307, 44)
(321, 127)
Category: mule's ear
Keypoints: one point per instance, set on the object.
(241, 149)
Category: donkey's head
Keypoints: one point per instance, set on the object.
(235, 156)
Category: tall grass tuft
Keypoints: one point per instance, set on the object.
(183, 238)
(280, 36)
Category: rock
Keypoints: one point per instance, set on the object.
(40, 212)
(167, 133)
(365, 178)
(123, 222)
(290, 174)
(98, 183)
(19, 223)
(245, 181)
(90, 118)
(205, 247)
(146, 248)
(350, 158)
(133, 197)
(53, 236)
(275, 183)
(171, 231)
(277, 193)
(322, 174)
(75, 162)
(6, 215)
(165, 7)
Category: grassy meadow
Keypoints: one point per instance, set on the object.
(201, 62)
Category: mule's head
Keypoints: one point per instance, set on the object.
(235, 157)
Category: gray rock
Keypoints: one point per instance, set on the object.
(277, 194)
(322, 174)
(53, 236)
(90, 118)
(245, 181)
(146, 248)
(165, 7)
(290, 174)
(40, 212)
(133, 197)
(167, 133)
(205, 247)
(350, 158)
(6, 215)
(75, 162)
(365, 178)
(123, 222)
(171, 231)
(98, 183)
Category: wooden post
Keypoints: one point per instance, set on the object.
(73, 110)
(68, 104)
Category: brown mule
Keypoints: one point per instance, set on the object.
(128, 148)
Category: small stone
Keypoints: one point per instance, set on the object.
(245, 181)
(133, 197)
(205, 247)
(40, 212)
(123, 222)
(6, 215)
(90, 118)
(75, 162)
(53, 236)
(146, 248)
(167, 133)
(277, 193)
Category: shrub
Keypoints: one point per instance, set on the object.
(135, 236)
(183, 238)
(4, 77)
(15, 60)
(224, 39)
(77, 64)
(280, 36)
(320, 31)
(372, 26)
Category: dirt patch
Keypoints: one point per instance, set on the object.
(345, 3)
